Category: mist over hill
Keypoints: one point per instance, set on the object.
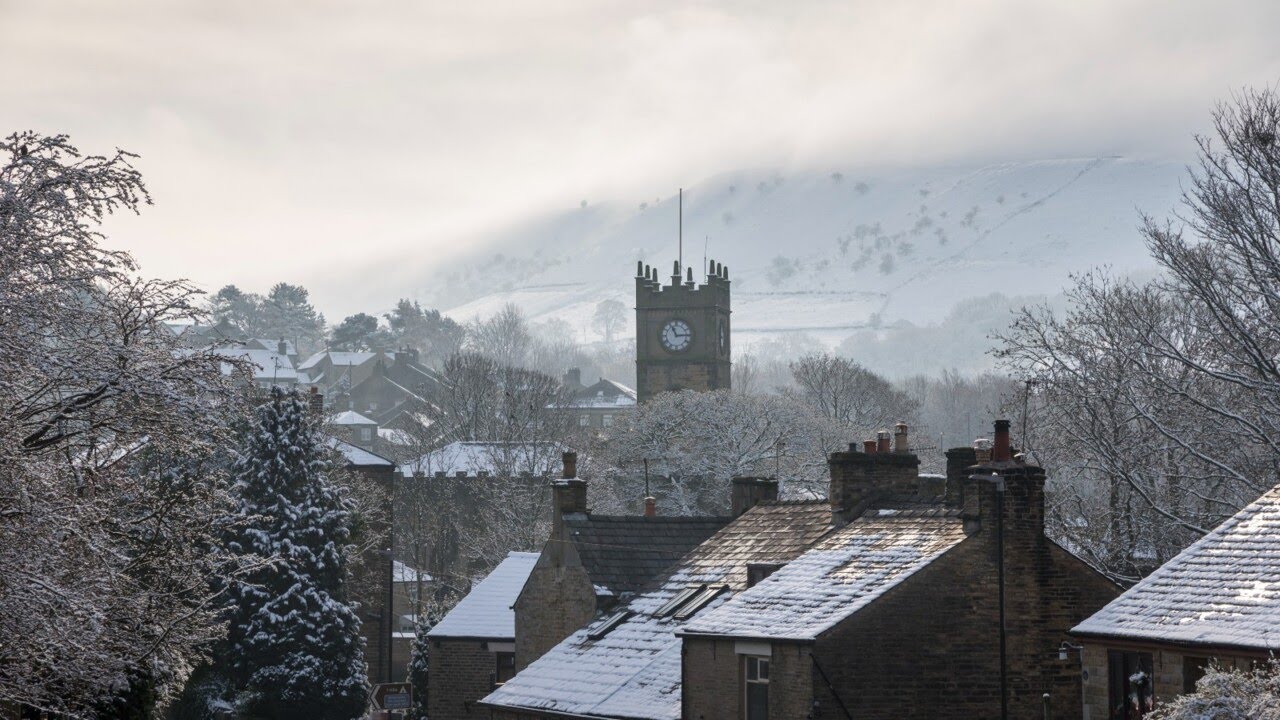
(905, 270)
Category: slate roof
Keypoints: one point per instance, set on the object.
(356, 456)
(842, 574)
(633, 671)
(485, 613)
(624, 552)
(1222, 591)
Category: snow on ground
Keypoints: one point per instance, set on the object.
(823, 253)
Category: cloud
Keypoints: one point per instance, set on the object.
(288, 140)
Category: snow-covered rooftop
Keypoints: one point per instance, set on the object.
(841, 575)
(1223, 591)
(358, 456)
(351, 417)
(339, 358)
(267, 364)
(402, 573)
(474, 457)
(633, 670)
(485, 613)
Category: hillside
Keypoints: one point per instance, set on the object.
(834, 253)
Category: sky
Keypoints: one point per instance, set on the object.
(296, 140)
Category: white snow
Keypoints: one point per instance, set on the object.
(356, 456)
(844, 573)
(486, 611)
(1029, 223)
(407, 574)
(351, 417)
(1224, 590)
(473, 457)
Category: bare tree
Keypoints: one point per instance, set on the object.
(610, 317)
(850, 394)
(1157, 405)
(110, 434)
(504, 337)
(697, 442)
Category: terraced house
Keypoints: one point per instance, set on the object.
(897, 596)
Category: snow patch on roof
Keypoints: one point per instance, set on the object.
(358, 456)
(843, 574)
(407, 574)
(1223, 590)
(474, 457)
(351, 417)
(486, 611)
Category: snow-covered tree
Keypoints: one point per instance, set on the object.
(110, 489)
(696, 442)
(1156, 405)
(358, 332)
(850, 394)
(287, 313)
(1228, 695)
(293, 642)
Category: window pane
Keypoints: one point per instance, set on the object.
(764, 669)
(757, 701)
(752, 672)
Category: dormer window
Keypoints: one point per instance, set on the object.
(759, 571)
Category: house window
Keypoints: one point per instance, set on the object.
(1131, 694)
(366, 434)
(584, 420)
(755, 687)
(506, 667)
(606, 420)
(1192, 670)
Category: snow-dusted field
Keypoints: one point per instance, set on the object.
(824, 252)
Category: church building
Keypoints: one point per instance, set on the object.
(682, 331)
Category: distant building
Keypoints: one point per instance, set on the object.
(600, 405)
(472, 649)
(381, 386)
(1216, 602)
(411, 588)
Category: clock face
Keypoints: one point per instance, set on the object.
(676, 336)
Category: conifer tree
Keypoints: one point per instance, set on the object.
(294, 646)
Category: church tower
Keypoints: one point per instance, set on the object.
(682, 331)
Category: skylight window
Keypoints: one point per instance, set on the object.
(680, 599)
(608, 625)
(700, 601)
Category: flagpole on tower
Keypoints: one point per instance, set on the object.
(680, 256)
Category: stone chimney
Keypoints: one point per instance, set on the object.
(959, 460)
(1020, 484)
(568, 495)
(860, 479)
(751, 491)
(573, 378)
(315, 401)
(282, 348)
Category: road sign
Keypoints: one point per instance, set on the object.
(393, 696)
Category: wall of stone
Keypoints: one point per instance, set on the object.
(713, 685)
(1167, 664)
(555, 602)
(462, 673)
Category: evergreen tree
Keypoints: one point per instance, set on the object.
(294, 645)
(287, 313)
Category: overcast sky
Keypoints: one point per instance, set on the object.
(284, 140)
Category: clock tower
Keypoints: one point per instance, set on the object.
(682, 331)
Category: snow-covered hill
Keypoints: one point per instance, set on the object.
(830, 253)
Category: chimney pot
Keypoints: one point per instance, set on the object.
(868, 447)
(650, 507)
(900, 438)
(1000, 448)
(882, 441)
(570, 465)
